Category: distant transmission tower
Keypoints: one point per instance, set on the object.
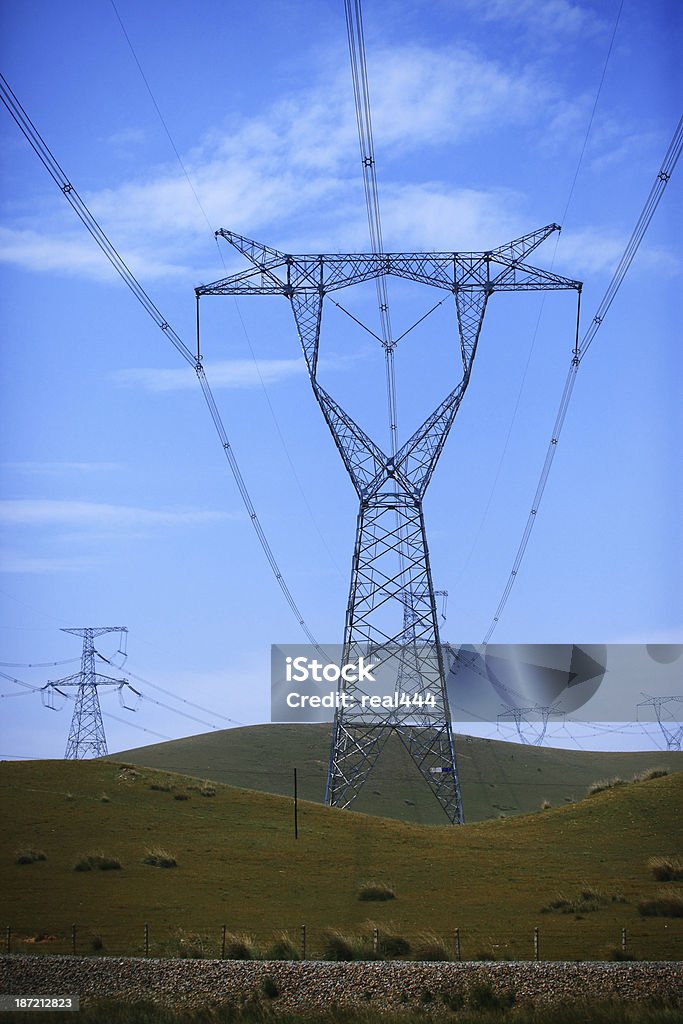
(86, 736)
(521, 715)
(671, 730)
(391, 600)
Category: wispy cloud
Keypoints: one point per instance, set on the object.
(86, 514)
(59, 468)
(234, 373)
(15, 563)
(549, 19)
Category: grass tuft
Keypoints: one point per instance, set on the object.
(239, 946)
(29, 856)
(668, 904)
(546, 805)
(159, 858)
(283, 948)
(269, 987)
(376, 891)
(430, 947)
(181, 796)
(337, 946)
(666, 869)
(603, 784)
(97, 862)
(650, 773)
(160, 787)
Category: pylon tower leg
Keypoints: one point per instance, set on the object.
(392, 615)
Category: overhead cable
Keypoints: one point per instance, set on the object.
(59, 177)
(661, 181)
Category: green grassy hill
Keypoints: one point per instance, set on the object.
(496, 777)
(239, 864)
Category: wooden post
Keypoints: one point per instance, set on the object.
(296, 809)
(73, 939)
(623, 940)
(146, 939)
(458, 954)
(375, 941)
(303, 941)
(537, 951)
(9, 939)
(223, 944)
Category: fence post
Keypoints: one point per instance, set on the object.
(223, 944)
(146, 939)
(9, 939)
(623, 940)
(296, 808)
(375, 941)
(458, 954)
(537, 955)
(73, 939)
(303, 941)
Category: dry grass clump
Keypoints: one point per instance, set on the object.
(376, 891)
(650, 773)
(666, 869)
(430, 947)
(239, 946)
(602, 784)
(97, 862)
(29, 856)
(283, 948)
(158, 858)
(587, 900)
(160, 787)
(668, 904)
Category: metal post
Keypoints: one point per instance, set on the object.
(303, 941)
(223, 944)
(375, 941)
(146, 939)
(537, 952)
(296, 808)
(458, 954)
(73, 939)
(623, 940)
(9, 939)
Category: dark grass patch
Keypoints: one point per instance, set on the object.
(160, 787)
(239, 946)
(431, 948)
(666, 869)
(668, 904)
(585, 901)
(181, 796)
(98, 862)
(283, 948)
(378, 891)
(29, 856)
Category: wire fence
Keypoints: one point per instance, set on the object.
(657, 940)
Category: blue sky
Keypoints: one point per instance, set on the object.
(117, 506)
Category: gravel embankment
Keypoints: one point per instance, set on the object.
(310, 985)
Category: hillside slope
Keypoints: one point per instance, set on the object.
(496, 777)
(239, 864)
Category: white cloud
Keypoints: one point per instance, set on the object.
(233, 373)
(546, 18)
(86, 514)
(14, 563)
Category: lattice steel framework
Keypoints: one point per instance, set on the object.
(86, 735)
(391, 600)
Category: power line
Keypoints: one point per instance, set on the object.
(57, 174)
(661, 181)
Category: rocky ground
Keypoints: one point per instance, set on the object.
(306, 986)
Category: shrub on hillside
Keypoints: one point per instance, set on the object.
(97, 862)
(159, 858)
(29, 856)
(666, 869)
(160, 787)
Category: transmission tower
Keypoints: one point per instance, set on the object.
(671, 730)
(521, 715)
(86, 735)
(391, 601)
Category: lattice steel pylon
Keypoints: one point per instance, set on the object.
(86, 735)
(391, 599)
